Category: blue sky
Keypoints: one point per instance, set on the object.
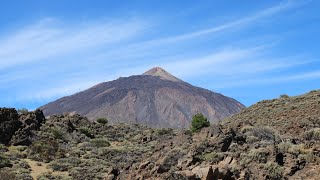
(251, 51)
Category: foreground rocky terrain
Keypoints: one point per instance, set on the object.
(155, 98)
(274, 139)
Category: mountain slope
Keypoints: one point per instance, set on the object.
(288, 115)
(156, 99)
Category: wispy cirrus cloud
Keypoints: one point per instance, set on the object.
(231, 25)
(104, 50)
(144, 48)
(47, 38)
(234, 62)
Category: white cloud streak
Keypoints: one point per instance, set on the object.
(43, 40)
(244, 21)
(46, 39)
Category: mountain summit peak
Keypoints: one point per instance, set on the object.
(160, 72)
(155, 98)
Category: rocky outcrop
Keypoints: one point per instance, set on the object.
(31, 122)
(18, 129)
(155, 99)
(9, 124)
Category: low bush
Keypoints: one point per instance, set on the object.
(64, 164)
(102, 120)
(259, 155)
(246, 129)
(213, 157)
(274, 170)
(58, 134)
(255, 155)
(4, 161)
(284, 96)
(17, 152)
(262, 133)
(23, 111)
(284, 147)
(3, 148)
(7, 175)
(100, 142)
(50, 176)
(164, 131)
(298, 149)
(92, 172)
(312, 134)
(44, 150)
(87, 132)
(23, 175)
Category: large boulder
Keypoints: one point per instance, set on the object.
(169, 161)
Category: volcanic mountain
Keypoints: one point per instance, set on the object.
(155, 98)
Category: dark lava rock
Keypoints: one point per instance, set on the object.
(226, 141)
(31, 122)
(9, 124)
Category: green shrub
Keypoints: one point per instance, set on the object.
(92, 172)
(284, 96)
(58, 134)
(86, 132)
(23, 111)
(284, 147)
(164, 131)
(254, 155)
(298, 149)
(100, 142)
(214, 157)
(20, 148)
(4, 161)
(274, 170)
(64, 164)
(102, 120)
(259, 155)
(7, 175)
(312, 134)
(49, 175)
(199, 122)
(21, 174)
(246, 129)
(3, 148)
(251, 139)
(262, 133)
(44, 150)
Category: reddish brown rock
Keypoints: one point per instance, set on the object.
(155, 99)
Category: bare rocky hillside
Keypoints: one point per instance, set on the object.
(155, 99)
